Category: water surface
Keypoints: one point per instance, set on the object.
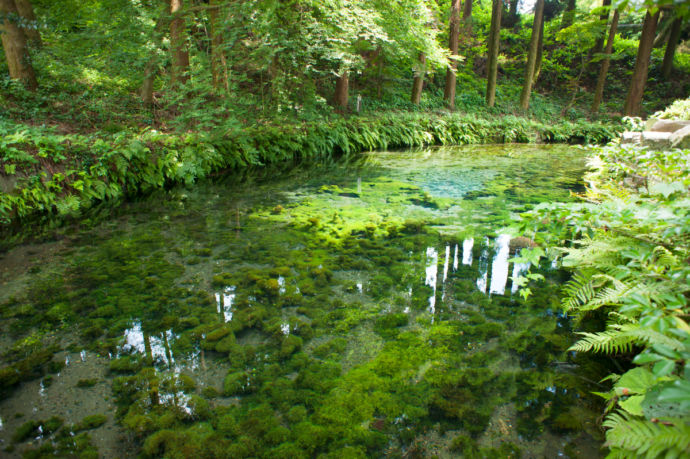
(356, 308)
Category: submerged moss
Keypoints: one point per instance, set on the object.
(343, 316)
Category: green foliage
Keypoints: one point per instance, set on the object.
(89, 169)
(630, 243)
(678, 110)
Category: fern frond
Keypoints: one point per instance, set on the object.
(578, 291)
(642, 437)
(621, 338)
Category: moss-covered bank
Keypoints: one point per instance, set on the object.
(45, 173)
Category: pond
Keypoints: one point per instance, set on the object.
(360, 307)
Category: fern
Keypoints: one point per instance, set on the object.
(632, 435)
(621, 338)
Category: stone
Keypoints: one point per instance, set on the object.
(630, 137)
(668, 125)
(681, 138)
(657, 140)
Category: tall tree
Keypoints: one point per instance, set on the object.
(492, 58)
(532, 54)
(601, 80)
(218, 61)
(671, 45)
(453, 44)
(29, 23)
(418, 82)
(568, 14)
(599, 43)
(467, 19)
(639, 77)
(14, 45)
(178, 41)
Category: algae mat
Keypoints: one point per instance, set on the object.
(361, 307)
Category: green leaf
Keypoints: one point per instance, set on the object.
(633, 405)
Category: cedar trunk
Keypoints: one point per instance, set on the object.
(217, 56)
(540, 52)
(453, 44)
(492, 58)
(532, 55)
(639, 78)
(26, 11)
(341, 92)
(599, 44)
(667, 65)
(568, 14)
(14, 44)
(178, 40)
(467, 19)
(418, 82)
(601, 81)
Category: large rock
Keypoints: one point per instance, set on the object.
(630, 137)
(668, 125)
(681, 138)
(657, 140)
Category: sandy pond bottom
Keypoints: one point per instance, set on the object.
(355, 308)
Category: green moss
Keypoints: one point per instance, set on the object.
(289, 345)
(25, 431)
(89, 382)
(90, 422)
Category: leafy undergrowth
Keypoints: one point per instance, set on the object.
(45, 173)
(629, 244)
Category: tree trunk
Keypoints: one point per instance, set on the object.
(418, 82)
(453, 43)
(601, 81)
(178, 41)
(673, 38)
(663, 28)
(599, 44)
(341, 92)
(532, 55)
(217, 56)
(540, 52)
(569, 14)
(639, 77)
(14, 44)
(30, 28)
(492, 58)
(147, 84)
(467, 19)
(152, 65)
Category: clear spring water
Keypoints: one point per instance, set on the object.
(363, 307)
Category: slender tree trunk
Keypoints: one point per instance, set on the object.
(601, 81)
(599, 43)
(492, 58)
(639, 77)
(217, 55)
(663, 28)
(540, 52)
(178, 41)
(14, 44)
(568, 14)
(26, 11)
(467, 19)
(532, 55)
(152, 65)
(671, 46)
(341, 92)
(147, 84)
(418, 82)
(453, 43)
